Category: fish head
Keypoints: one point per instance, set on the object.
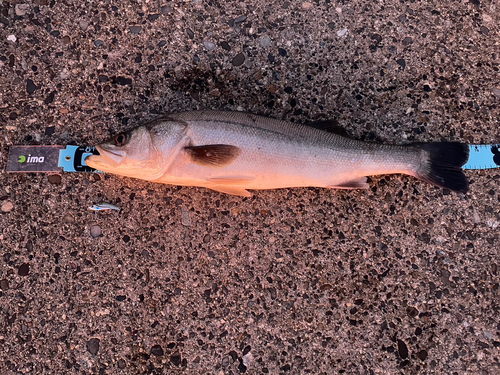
(131, 153)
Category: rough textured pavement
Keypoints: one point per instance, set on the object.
(402, 278)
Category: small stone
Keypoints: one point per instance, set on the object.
(306, 5)
(68, 219)
(157, 350)
(93, 346)
(98, 42)
(401, 62)
(247, 359)
(185, 219)
(54, 179)
(66, 40)
(422, 355)
(95, 231)
(64, 73)
(23, 269)
(190, 33)
(209, 45)
(22, 9)
(4, 284)
(11, 38)
(83, 25)
(240, 19)
(122, 81)
(265, 41)
(342, 33)
(176, 359)
(135, 29)
(166, 9)
(30, 86)
(153, 17)
(484, 30)
(427, 88)
(226, 46)
(496, 91)
(402, 349)
(7, 206)
(407, 41)
(239, 59)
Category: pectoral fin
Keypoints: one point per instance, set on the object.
(359, 183)
(231, 190)
(213, 155)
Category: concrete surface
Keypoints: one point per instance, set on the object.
(402, 278)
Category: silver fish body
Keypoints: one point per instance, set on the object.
(235, 151)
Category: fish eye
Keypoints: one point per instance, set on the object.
(121, 139)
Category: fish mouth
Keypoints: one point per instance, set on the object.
(106, 158)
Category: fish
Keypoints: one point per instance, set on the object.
(234, 152)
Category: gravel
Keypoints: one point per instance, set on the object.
(401, 278)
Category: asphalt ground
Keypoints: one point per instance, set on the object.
(402, 278)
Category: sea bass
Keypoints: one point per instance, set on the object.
(234, 151)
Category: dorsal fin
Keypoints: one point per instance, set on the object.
(330, 126)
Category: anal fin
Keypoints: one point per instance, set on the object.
(232, 190)
(359, 183)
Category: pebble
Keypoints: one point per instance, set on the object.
(93, 346)
(83, 25)
(23, 269)
(408, 40)
(306, 5)
(68, 219)
(7, 206)
(64, 73)
(54, 179)
(4, 284)
(157, 350)
(265, 41)
(239, 59)
(95, 231)
(209, 45)
(402, 63)
(226, 46)
(22, 9)
(166, 9)
(122, 364)
(98, 43)
(185, 218)
(135, 29)
(496, 91)
(11, 38)
(240, 19)
(342, 33)
(484, 30)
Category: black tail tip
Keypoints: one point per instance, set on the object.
(443, 165)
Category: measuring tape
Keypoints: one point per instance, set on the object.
(72, 158)
(29, 159)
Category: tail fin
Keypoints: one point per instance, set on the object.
(442, 165)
